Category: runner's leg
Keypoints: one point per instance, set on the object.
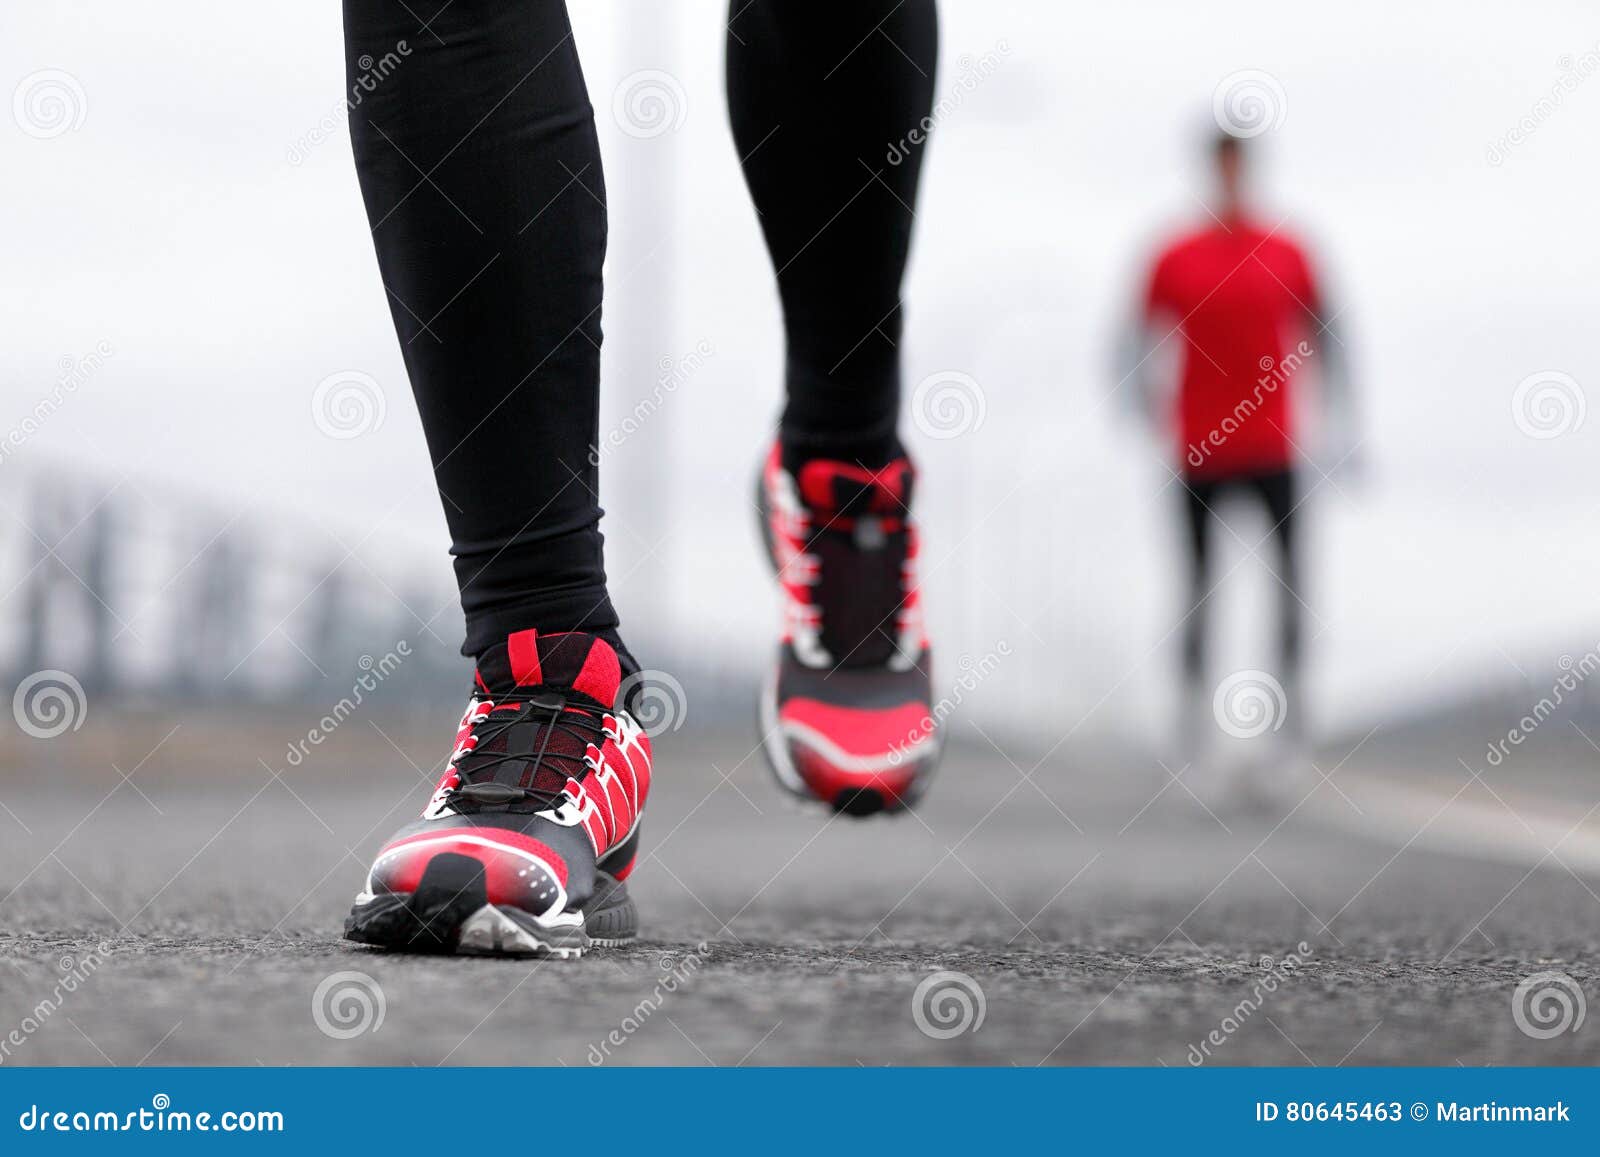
(817, 101)
(823, 98)
(480, 169)
(1277, 491)
(1199, 494)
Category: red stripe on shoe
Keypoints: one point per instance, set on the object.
(522, 649)
(514, 841)
(600, 675)
(828, 781)
(589, 812)
(866, 734)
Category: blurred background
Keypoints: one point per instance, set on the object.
(187, 265)
(214, 491)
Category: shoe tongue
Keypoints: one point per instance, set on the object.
(842, 489)
(570, 661)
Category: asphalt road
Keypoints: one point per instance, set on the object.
(1097, 911)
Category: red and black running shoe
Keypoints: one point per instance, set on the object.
(847, 718)
(528, 839)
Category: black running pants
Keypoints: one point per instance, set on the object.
(1276, 492)
(480, 169)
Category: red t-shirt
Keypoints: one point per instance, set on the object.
(1239, 296)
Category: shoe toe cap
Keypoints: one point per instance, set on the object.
(859, 760)
(518, 870)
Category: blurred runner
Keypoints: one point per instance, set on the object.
(1243, 305)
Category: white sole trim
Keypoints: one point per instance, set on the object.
(772, 744)
(490, 932)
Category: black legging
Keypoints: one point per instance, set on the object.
(480, 169)
(1276, 492)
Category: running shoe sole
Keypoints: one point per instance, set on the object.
(449, 913)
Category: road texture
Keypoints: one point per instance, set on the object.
(1097, 911)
